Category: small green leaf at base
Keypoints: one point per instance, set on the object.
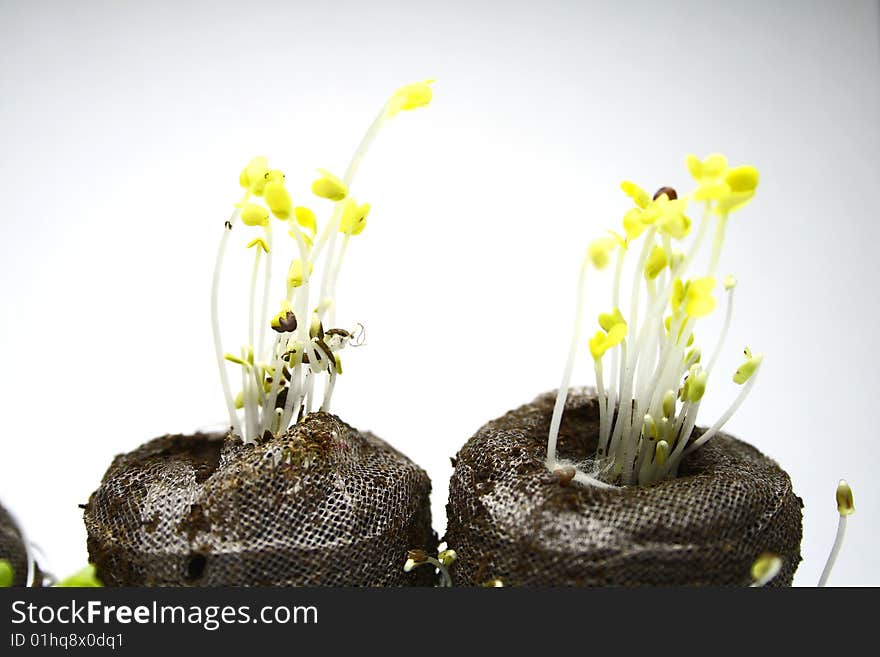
(7, 575)
(86, 578)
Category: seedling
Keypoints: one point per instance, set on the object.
(442, 564)
(658, 376)
(768, 565)
(845, 508)
(289, 349)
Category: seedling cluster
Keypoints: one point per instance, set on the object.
(649, 402)
(288, 349)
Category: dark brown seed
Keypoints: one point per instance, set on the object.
(671, 194)
(286, 324)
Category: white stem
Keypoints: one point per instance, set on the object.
(215, 322)
(728, 313)
(611, 406)
(620, 382)
(334, 275)
(668, 374)
(718, 243)
(309, 391)
(328, 391)
(727, 414)
(252, 298)
(445, 578)
(330, 230)
(279, 347)
(562, 393)
(618, 271)
(698, 241)
(331, 253)
(636, 287)
(835, 550)
(586, 480)
(294, 397)
(631, 442)
(259, 377)
(613, 383)
(264, 310)
(646, 465)
(250, 428)
(300, 295)
(600, 394)
(620, 437)
(651, 355)
(680, 420)
(690, 421)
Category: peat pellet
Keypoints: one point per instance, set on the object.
(321, 505)
(510, 519)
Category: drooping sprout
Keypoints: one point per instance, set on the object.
(285, 354)
(648, 405)
(845, 507)
(442, 564)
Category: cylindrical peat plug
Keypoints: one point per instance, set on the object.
(511, 519)
(321, 505)
(16, 552)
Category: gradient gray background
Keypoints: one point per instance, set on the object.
(123, 127)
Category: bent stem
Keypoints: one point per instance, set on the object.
(417, 558)
(845, 507)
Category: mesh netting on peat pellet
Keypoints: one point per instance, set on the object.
(511, 519)
(322, 505)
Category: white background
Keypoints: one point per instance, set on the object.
(123, 127)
